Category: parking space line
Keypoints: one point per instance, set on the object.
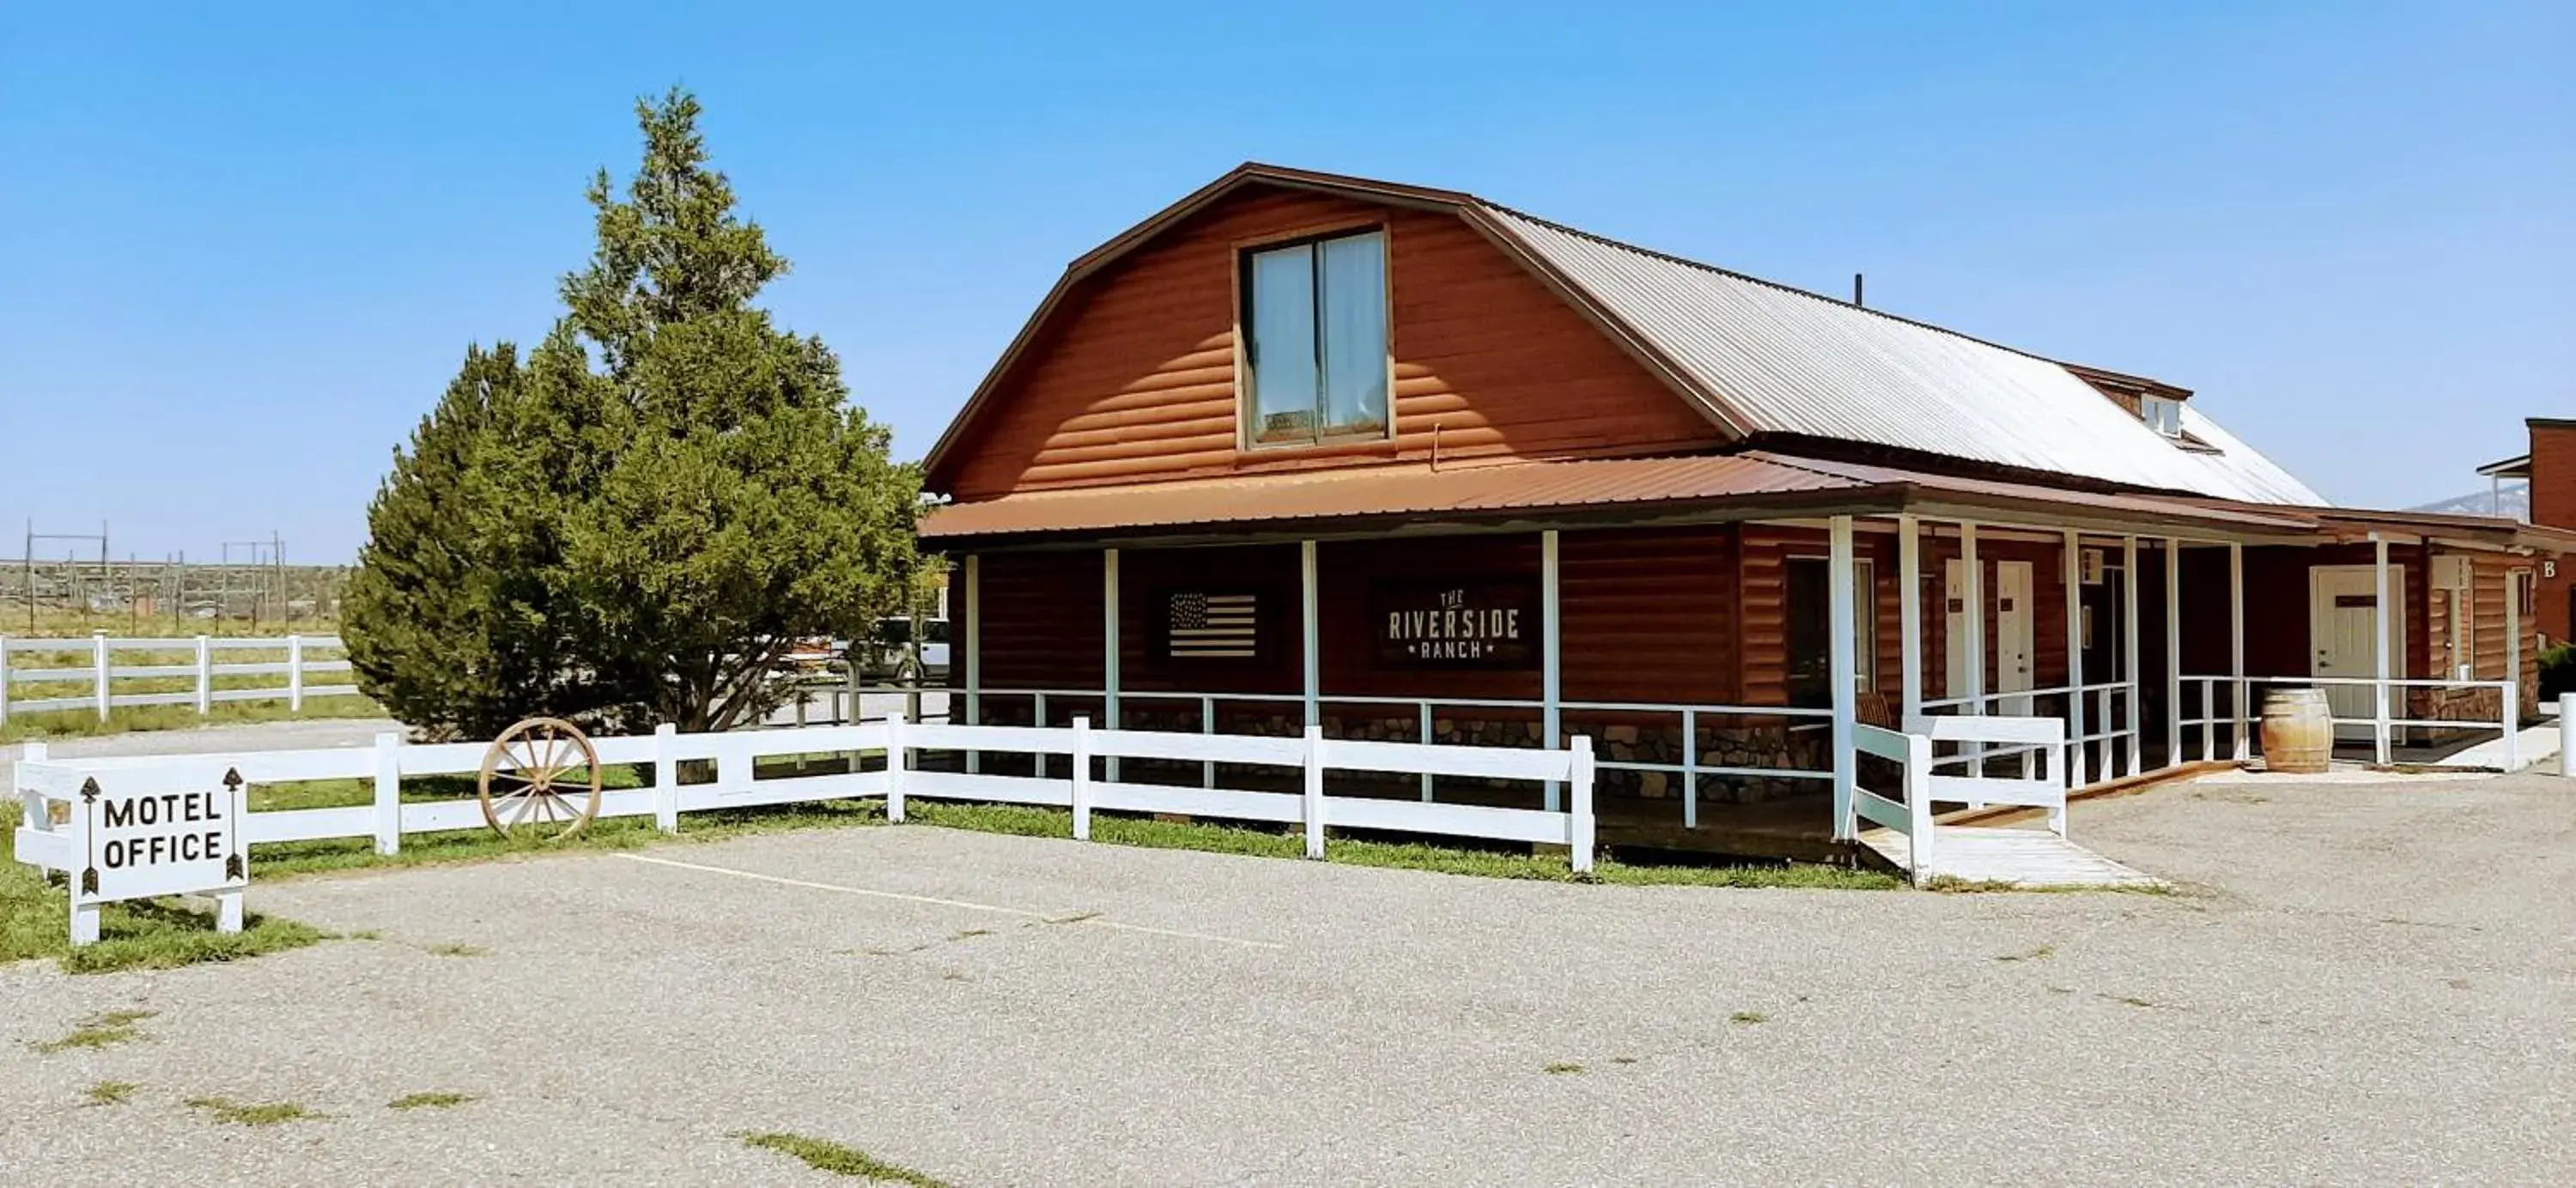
(1094, 921)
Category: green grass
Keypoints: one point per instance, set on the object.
(1558, 1068)
(1748, 1018)
(457, 950)
(2042, 953)
(97, 1031)
(1029, 821)
(428, 1101)
(107, 1093)
(236, 1113)
(35, 921)
(84, 723)
(832, 1157)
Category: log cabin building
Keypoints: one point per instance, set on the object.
(1306, 448)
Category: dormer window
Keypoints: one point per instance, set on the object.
(1315, 340)
(2161, 414)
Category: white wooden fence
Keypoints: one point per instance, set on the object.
(43, 783)
(101, 673)
(1978, 739)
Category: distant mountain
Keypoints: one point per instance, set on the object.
(2515, 502)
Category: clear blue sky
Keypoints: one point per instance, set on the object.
(242, 247)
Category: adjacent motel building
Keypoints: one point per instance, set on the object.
(1407, 464)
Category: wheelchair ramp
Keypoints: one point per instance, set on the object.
(2034, 858)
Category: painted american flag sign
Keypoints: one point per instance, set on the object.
(1214, 626)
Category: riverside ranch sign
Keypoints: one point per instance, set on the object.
(1486, 623)
(143, 844)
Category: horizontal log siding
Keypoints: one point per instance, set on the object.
(1147, 578)
(1347, 569)
(1135, 379)
(1042, 621)
(1649, 615)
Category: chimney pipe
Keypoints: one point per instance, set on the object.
(1856, 292)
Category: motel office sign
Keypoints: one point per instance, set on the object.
(138, 833)
(137, 845)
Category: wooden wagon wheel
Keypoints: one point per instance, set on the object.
(541, 776)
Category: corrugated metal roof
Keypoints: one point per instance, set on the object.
(1758, 479)
(1378, 491)
(2245, 466)
(1780, 360)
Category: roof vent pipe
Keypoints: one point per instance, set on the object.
(1856, 293)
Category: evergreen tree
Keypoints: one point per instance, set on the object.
(646, 515)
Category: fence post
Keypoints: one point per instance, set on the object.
(2512, 723)
(388, 792)
(205, 676)
(1081, 778)
(2566, 735)
(894, 768)
(33, 805)
(1426, 741)
(295, 674)
(4, 680)
(1207, 725)
(98, 669)
(1918, 804)
(1578, 831)
(1314, 813)
(666, 778)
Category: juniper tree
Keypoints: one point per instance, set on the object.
(678, 490)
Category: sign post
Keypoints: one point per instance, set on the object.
(157, 832)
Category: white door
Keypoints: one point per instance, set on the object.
(1954, 597)
(2343, 609)
(2016, 635)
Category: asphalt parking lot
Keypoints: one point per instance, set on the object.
(2358, 983)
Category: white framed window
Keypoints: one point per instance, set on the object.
(2161, 414)
(1314, 321)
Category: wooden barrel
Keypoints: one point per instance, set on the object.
(2298, 731)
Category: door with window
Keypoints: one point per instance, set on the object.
(2343, 611)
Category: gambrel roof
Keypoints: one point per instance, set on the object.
(1779, 365)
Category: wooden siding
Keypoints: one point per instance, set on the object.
(1147, 578)
(1134, 380)
(1649, 615)
(1042, 624)
(2553, 502)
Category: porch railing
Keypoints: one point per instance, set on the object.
(1425, 712)
(2241, 713)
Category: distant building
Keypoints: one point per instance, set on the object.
(2548, 473)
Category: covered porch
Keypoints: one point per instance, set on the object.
(1721, 646)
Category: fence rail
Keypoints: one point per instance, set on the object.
(2242, 699)
(48, 787)
(101, 672)
(1426, 714)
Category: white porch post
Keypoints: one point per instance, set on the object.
(1551, 650)
(2236, 649)
(1312, 648)
(2078, 752)
(2173, 653)
(2135, 717)
(1909, 614)
(1840, 671)
(2380, 626)
(1109, 650)
(1974, 597)
(974, 656)
(2512, 669)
